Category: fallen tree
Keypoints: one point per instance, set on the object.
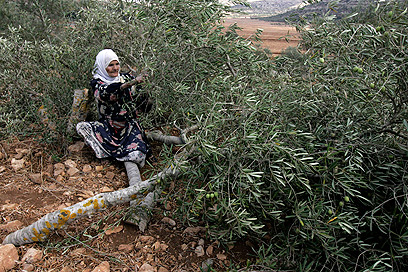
(41, 229)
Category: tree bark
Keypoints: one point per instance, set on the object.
(41, 229)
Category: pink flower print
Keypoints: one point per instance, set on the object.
(99, 137)
(132, 146)
(139, 136)
(113, 143)
(122, 112)
(113, 97)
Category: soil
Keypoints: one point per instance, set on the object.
(275, 36)
(30, 192)
(104, 236)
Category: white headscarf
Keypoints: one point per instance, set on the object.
(102, 61)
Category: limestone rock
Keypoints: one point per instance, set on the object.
(35, 178)
(72, 171)
(8, 257)
(110, 175)
(87, 168)
(78, 146)
(11, 226)
(26, 267)
(193, 230)
(59, 168)
(102, 267)
(70, 163)
(11, 206)
(17, 164)
(32, 256)
(147, 268)
(169, 221)
(199, 251)
(126, 248)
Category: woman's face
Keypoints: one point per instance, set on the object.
(113, 68)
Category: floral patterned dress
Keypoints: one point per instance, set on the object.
(117, 133)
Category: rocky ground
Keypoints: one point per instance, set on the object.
(34, 182)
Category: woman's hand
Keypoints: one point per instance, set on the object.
(139, 79)
(142, 77)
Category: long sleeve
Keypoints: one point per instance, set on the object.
(107, 93)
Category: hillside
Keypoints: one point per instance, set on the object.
(340, 9)
(268, 7)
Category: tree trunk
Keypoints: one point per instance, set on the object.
(40, 230)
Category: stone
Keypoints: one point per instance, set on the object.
(11, 226)
(199, 251)
(87, 168)
(35, 178)
(206, 265)
(8, 257)
(70, 163)
(110, 175)
(147, 268)
(102, 267)
(114, 230)
(146, 239)
(11, 206)
(72, 171)
(21, 152)
(17, 164)
(221, 257)
(32, 256)
(2, 169)
(209, 251)
(78, 146)
(159, 246)
(59, 168)
(169, 221)
(162, 269)
(78, 252)
(99, 168)
(126, 248)
(59, 178)
(193, 230)
(106, 189)
(28, 267)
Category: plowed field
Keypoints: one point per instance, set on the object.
(275, 37)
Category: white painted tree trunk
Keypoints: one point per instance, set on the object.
(40, 230)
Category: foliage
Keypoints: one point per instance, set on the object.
(349, 91)
(306, 154)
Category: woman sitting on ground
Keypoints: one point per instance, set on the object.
(117, 134)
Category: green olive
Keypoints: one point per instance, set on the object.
(330, 212)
